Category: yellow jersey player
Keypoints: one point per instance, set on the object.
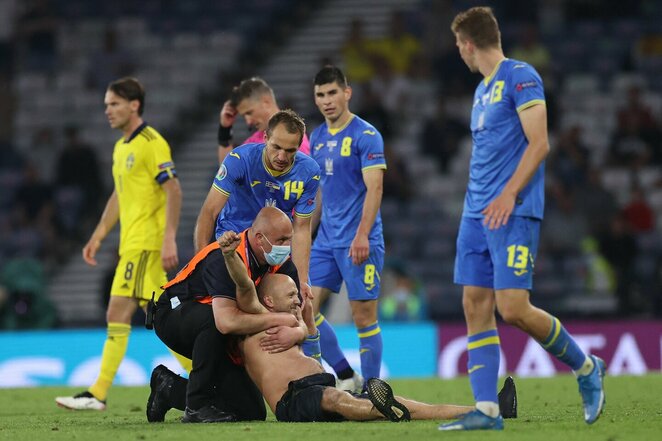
(146, 201)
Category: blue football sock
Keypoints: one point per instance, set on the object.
(561, 345)
(311, 346)
(483, 365)
(331, 352)
(370, 344)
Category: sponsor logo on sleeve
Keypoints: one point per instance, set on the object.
(521, 86)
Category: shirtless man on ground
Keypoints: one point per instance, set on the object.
(295, 386)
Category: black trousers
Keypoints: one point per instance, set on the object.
(189, 330)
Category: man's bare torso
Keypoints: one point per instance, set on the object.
(272, 373)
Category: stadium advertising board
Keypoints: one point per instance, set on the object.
(410, 350)
(73, 357)
(628, 348)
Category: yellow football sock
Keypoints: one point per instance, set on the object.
(186, 363)
(113, 353)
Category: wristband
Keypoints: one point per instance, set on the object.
(224, 135)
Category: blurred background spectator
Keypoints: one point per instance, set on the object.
(37, 36)
(530, 49)
(23, 300)
(79, 188)
(109, 63)
(441, 135)
(356, 54)
(402, 296)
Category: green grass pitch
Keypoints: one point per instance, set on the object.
(549, 409)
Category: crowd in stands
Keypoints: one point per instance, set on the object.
(43, 221)
(598, 239)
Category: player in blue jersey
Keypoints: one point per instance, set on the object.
(293, 189)
(254, 176)
(349, 245)
(498, 235)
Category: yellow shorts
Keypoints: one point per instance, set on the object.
(138, 274)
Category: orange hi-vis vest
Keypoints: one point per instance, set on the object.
(190, 267)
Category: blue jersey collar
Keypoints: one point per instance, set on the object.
(334, 132)
(488, 78)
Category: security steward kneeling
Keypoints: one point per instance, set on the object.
(197, 316)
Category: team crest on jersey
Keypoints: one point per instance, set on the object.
(272, 186)
(270, 202)
(328, 166)
(331, 144)
(222, 172)
(129, 161)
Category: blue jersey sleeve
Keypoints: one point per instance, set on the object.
(371, 150)
(230, 174)
(306, 204)
(526, 87)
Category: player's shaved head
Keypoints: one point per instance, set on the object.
(278, 293)
(275, 285)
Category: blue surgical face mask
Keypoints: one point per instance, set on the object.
(278, 253)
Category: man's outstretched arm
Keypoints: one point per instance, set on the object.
(246, 293)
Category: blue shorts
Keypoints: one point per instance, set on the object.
(497, 259)
(330, 266)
